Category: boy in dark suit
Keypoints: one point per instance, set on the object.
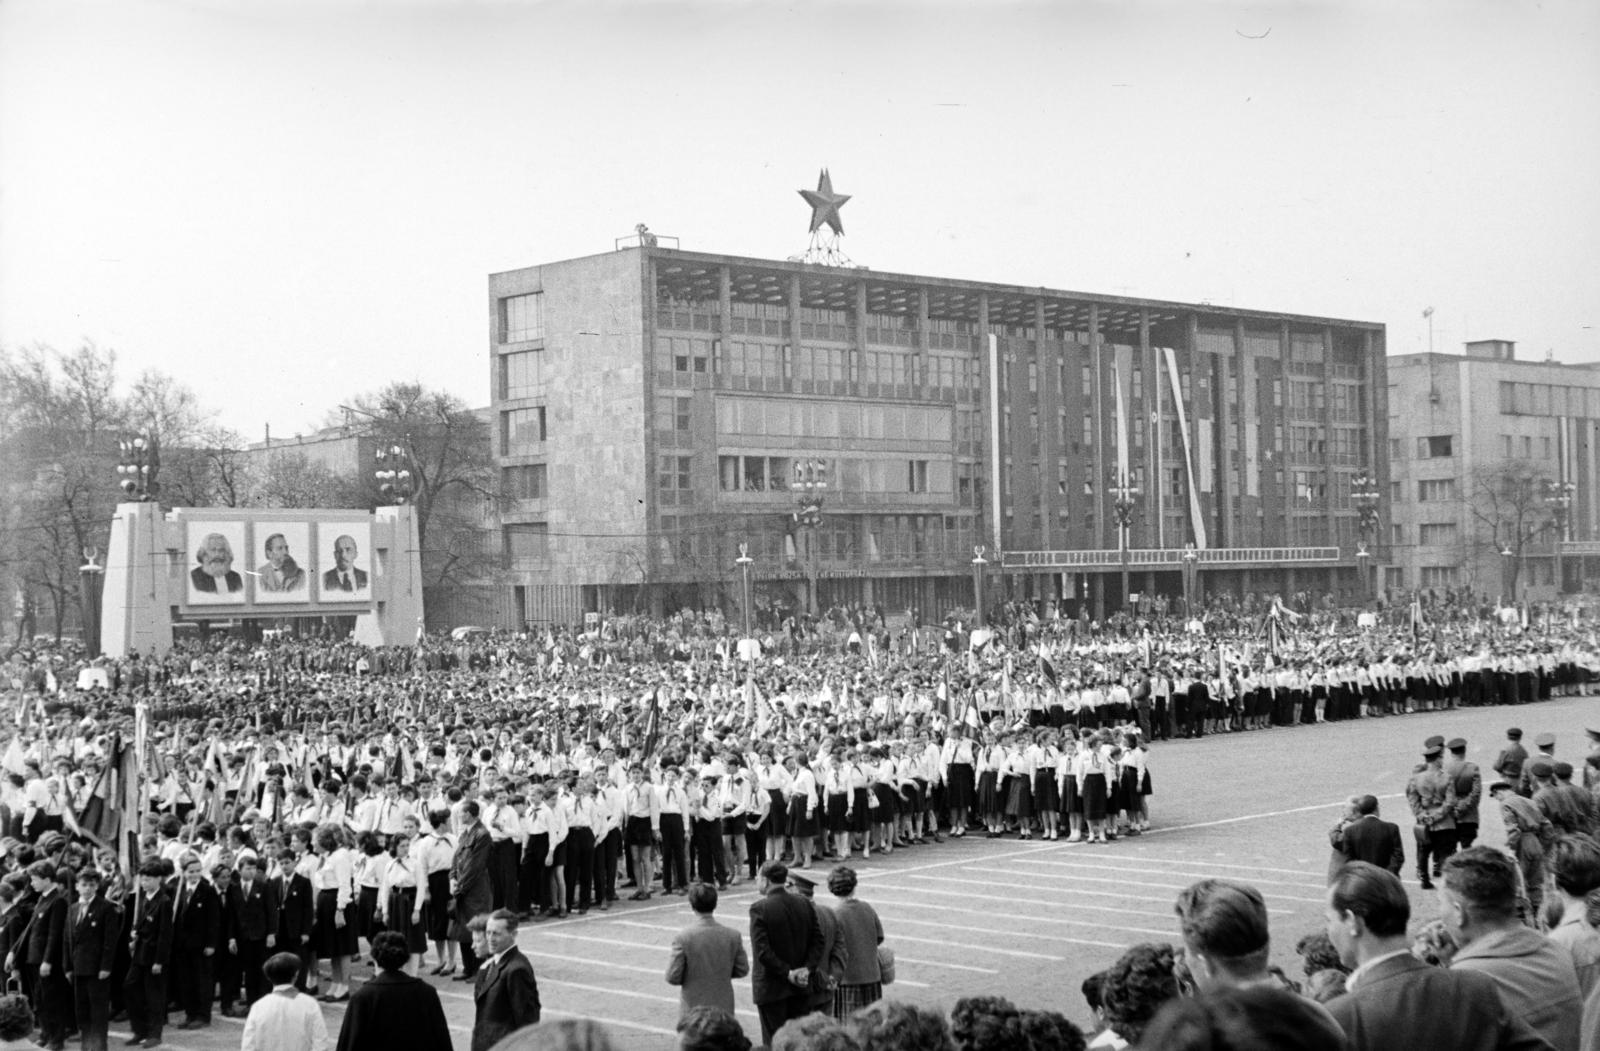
(250, 927)
(296, 912)
(46, 953)
(92, 931)
(149, 930)
(197, 925)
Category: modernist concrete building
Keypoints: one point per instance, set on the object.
(654, 409)
(1493, 462)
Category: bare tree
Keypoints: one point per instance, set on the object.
(1506, 500)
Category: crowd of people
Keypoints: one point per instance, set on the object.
(228, 803)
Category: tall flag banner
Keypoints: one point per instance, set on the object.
(1047, 669)
(652, 724)
(1197, 519)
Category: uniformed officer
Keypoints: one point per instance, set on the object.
(1508, 764)
(1469, 791)
(1545, 744)
(1432, 796)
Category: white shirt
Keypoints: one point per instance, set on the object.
(285, 1020)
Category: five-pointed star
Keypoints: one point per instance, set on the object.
(825, 204)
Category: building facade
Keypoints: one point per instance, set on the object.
(654, 409)
(1493, 471)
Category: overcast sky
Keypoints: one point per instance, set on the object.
(285, 204)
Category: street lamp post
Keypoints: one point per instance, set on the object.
(1364, 494)
(1508, 556)
(810, 486)
(978, 562)
(1124, 497)
(1558, 497)
(394, 474)
(1191, 558)
(137, 468)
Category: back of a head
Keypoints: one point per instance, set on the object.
(711, 1029)
(1574, 863)
(891, 1025)
(1485, 880)
(814, 1032)
(703, 898)
(1136, 987)
(1374, 894)
(1251, 1018)
(984, 1023)
(1367, 805)
(567, 1034)
(1226, 922)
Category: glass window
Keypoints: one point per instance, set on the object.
(1436, 533)
(521, 430)
(522, 374)
(526, 546)
(1436, 490)
(522, 318)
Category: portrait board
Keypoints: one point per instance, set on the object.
(214, 560)
(343, 559)
(281, 562)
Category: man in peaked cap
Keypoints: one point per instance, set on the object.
(1508, 764)
(1468, 781)
(1432, 796)
(1545, 744)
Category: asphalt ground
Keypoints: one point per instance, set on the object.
(1031, 920)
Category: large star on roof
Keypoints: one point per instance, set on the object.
(825, 204)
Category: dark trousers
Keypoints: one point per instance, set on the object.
(580, 866)
(605, 866)
(243, 968)
(674, 860)
(1466, 834)
(1439, 843)
(52, 1003)
(195, 984)
(773, 1015)
(709, 863)
(532, 893)
(146, 996)
(503, 873)
(92, 1003)
(469, 959)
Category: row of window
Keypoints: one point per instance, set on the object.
(525, 482)
(781, 418)
(1433, 447)
(761, 474)
(522, 318)
(1546, 399)
(522, 374)
(1522, 445)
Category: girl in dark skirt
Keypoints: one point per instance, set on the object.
(861, 807)
(839, 805)
(1046, 798)
(400, 896)
(881, 772)
(1116, 798)
(369, 878)
(334, 932)
(961, 785)
(1092, 768)
(802, 811)
(1067, 781)
(1019, 790)
(990, 760)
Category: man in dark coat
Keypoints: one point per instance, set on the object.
(250, 927)
(1508, 764)
(47, 956)
(393, 1010)
(1469, 791)
(197, 926)
(92, 931)
(149, 931)
(507, 997)
(787, 945)
(471, 891)
(1371, 839)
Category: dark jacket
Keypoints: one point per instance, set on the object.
(1404, 1004)
(47, 937)
(251, 919)
(93, 928)
(297, 911)
(470, 872)
(393, 1011)
(785, 935)
(197, 923)
(149, 928)
(1375, 840)
(507, 999)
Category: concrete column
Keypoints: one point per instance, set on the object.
(1102, 462)
(794, 328)
(1046, 402)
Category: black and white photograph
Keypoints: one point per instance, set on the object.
(215, 563)
(282, 557)
(850, 525)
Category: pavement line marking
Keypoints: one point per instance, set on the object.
(942, 925)
(657, 1030)
(591, 961)
(865, 874)
(610, 991)
(1220, 865)
(1107, 879)
(1256, 817)
(1163, 903)
(1196, 875)
(127, 1034)
(981, 948)
(1029, 919)
(953, 966)
(607, 941)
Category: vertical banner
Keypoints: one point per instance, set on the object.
(994, 439)
(1196, 519)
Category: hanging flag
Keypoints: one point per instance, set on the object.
(102, 814)
(652, 724)
(1047, 669)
